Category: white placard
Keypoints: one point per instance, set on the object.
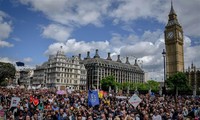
(14, 101)
(134, 100)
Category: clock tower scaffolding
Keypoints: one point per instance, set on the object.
(174, 44)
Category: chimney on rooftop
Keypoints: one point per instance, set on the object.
(136, 64)
(88, 55)
(109, 58)
(79, 56)
(118, 59)
(96, 54)
(127, 61)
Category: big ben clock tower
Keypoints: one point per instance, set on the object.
(174, 44)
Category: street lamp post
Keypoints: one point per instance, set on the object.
(164, 55)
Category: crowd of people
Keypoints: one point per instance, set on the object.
(49, 105)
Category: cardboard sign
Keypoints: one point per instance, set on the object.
(62, 88)
(14, 101)
(135, 100)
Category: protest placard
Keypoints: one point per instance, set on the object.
(135, 100)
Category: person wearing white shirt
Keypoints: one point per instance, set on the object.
(156, 116)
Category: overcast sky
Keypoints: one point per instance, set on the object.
(30, 30)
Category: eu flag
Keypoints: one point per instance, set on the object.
(20, 63)
(93, 98)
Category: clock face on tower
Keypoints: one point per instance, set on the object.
(170, 35)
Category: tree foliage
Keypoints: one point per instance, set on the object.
(179, 81)
(107, 82)
(7, 71)
(153, 85)
(140, 86)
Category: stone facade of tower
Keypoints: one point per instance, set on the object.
(174, 45)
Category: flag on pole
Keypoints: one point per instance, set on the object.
(93, 98)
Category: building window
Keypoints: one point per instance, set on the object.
(75, 81)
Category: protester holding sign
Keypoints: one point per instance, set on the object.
(22, 103)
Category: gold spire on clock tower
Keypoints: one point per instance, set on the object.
(174, 44)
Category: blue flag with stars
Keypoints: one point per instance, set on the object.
(93, 98)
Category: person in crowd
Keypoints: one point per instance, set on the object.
(48, 105)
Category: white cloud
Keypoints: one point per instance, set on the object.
(6, 60)
(75, 47)
(140, 49)
(13, 61)
(27, 60)
(16, 39)
(5, 44)
(187, 11)
(5, 30)
(188, 15)
(71, 12)
(130, 10)
(147, 47)
(79, 12)
(56, 32)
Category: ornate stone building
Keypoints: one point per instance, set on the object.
(98, 68)
(39, 77)
(83, 75)
(174, 44)
(60, 70)
(193, 75)
(26, 76)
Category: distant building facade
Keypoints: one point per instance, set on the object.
(40, 75)
(83, 76)
(193, 75)
(98, 68)
(60, 70)
(17, 78)
(25, 76)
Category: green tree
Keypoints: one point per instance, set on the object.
(142, 86)
(7, 72)
(176, 82)
(125, 85)
(153, 85)
(119, 85)
(107, 82)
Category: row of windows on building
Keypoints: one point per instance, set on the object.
(64, 65)
(64, 60)
(71, 75)
(63, 81)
